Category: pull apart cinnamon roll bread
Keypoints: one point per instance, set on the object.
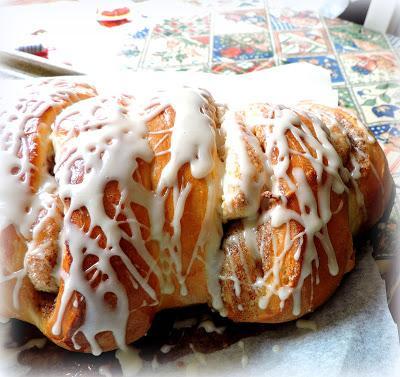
(113, 208)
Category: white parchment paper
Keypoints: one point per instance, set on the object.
(355, 336)
(286, 84)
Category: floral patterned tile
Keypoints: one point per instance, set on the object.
(331, 22)
(247, 46)
(226, 4)
(243, 21)
(234, 4)
(181, 68)
(381, 131)
(132, 48)
(394, 131)
(129, 58)
(165, 52)
(302, 42)
(196, 25)
(379, 102)
(395, 43)
(393, 145)
(370, 67)
(395, 215)
(289, 19)
(139, 33)
(392, 151)
(329, 62)
(388, 136)
(353, 38)
(345, 98)
(194, 2)
(243, 66)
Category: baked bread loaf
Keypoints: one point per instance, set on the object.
(114, 207)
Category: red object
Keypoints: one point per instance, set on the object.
(204, 39)
(115, 12)
(114, 17)
(231, 52)
(113, 23)
(43, 54)
(35, 49)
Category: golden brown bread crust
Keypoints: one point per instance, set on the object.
(42, 254)
(75, 314)
(34, 146)
(192, 217)
(242, 294)
(148, 174)
(241, 276)
(375, 181)
(244, 306)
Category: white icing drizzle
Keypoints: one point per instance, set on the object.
(192, 129)
(241, 179)
(166, 348)
(250, 236)
(193, 140)
(45, 199)
(130, 361)
(233, 277)
(111, 139)
(209, 327)
(359, 134)
(15, 167)
(315, 210)
(122, 133)
(19, 204)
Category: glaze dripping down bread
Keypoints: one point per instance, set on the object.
(114, 207)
